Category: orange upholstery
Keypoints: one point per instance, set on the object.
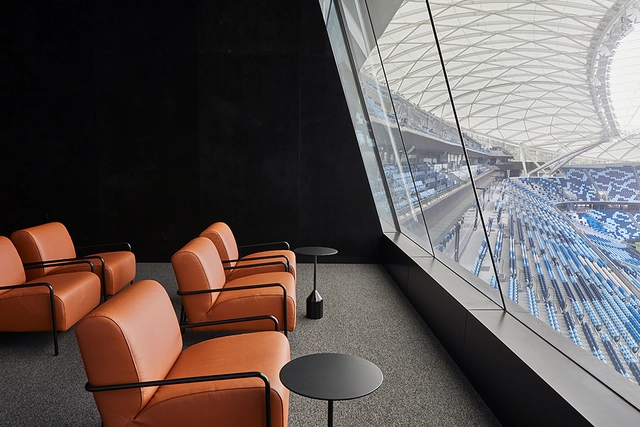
(257, 262)
(51, 241)
(198, 268)
(135, 337)
(27, 307)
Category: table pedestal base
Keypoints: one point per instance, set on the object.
(314, 305)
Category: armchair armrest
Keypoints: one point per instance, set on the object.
(52, 303)
(239, 262)
(98, 257)
(204, 378)
(233, 320)
(254, 286)
(283, 244)
(57, 263)
(104, 247)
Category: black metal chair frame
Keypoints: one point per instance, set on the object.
(127, 247)
(103, 247)
(257, 245)
(274, 245)
(237, 288)
(204, 378)
(52, 303)
(184, 324)
(286, 264)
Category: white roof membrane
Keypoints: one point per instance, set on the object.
(526, 73)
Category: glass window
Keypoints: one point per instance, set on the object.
(359, 114)
(490, 139)
(417, 145)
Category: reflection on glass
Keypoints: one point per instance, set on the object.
(382, 125)
(359, 115)
(419, 142)
(395, 159)
(560, 237)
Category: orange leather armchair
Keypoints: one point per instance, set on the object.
(282, 259)
(139, 374)
(51, 241)
(208, 296)
(54, 303)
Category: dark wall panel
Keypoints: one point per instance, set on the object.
(146, 90)
(248, 94)
(48, 115)
(336, 205)
(145, 122)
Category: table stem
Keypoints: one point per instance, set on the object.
(331, 413)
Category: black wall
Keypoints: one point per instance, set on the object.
(146, 121)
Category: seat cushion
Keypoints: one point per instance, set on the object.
(28, 309)
(252, 302)
(119, 269)
(229, 403)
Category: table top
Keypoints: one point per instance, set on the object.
(315, 251)
(331, 376)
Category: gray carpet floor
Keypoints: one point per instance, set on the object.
(364, 315)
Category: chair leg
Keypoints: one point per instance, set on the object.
(54, 327)
(55, 342)
(183, 318)
(284, 314)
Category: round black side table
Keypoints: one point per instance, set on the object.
(331, 376)
(314, 300)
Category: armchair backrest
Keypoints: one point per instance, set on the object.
(132, 337)
(197, 266)
(41, 243)
(223, 239)
(11, 270)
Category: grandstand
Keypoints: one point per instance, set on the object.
(560, 244)
(569, 261)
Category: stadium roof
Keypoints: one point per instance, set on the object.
(532, 74)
